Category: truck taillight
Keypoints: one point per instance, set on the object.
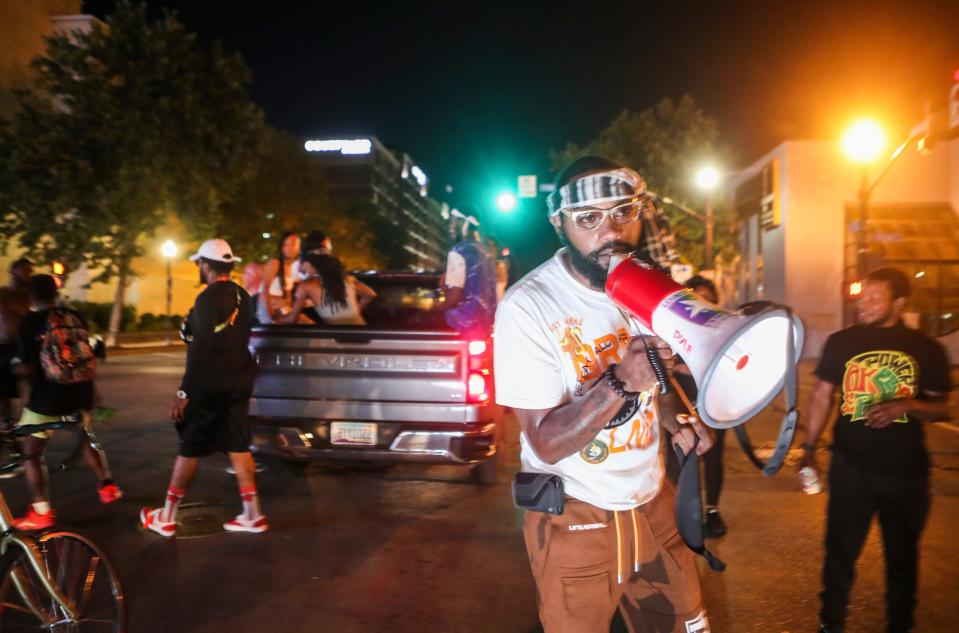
(478, 348)
(480, 355)
(479, 377)
(479, 386)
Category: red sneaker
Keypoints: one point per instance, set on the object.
(109, 493)
(240, 524)
(33, 520)
(150, 520)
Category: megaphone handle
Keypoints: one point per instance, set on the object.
(690, 407)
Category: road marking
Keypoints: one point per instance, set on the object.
(948, 426)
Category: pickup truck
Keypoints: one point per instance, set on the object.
(403, 388)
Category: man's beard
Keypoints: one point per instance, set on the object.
(202, 276)
(588, 265)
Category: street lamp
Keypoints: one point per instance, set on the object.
(863, 143)
(169, 252)
(707, 178)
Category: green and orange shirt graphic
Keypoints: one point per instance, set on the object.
(877, 376)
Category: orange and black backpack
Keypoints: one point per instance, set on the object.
(66, 355)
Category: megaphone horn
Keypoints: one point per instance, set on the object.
(739, 361)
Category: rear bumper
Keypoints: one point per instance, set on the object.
(306, 440)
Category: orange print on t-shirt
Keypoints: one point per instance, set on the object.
(589, 362)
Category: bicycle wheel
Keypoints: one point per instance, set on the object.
(82, 574)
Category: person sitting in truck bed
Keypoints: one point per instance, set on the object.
(337, 298)
(470, 279)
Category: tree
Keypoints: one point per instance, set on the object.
(286, 191)
(355, 237)
(665, 144)
(127, 124)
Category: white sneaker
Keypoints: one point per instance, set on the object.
(242, 524)
(150, 520)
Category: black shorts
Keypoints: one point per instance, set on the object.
(8, 382)
(215, 422)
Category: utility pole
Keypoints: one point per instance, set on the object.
(708, 245)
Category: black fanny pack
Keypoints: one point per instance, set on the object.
(539, 492)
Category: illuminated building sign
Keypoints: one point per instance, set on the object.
(354, 146)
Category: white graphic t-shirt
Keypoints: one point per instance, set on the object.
(553, 339)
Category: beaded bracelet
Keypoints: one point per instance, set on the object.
(631, 405)
(617, 385)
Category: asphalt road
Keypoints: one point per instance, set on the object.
(420, 549)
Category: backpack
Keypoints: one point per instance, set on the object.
(66, 356)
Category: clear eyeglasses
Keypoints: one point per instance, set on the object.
(590, 218)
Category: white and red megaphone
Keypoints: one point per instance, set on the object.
(739, 361)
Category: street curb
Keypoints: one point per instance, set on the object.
(145, 349)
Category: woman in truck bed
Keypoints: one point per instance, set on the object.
(337, 298)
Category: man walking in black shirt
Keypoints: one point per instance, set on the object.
(210, 408)
(892, 379)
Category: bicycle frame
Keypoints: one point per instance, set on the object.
(29, 547)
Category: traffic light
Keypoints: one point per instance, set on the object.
(59, 272)
(506, 201)
(940, 125)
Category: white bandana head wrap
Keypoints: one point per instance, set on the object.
(607, 186)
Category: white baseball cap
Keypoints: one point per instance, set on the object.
(215, 250)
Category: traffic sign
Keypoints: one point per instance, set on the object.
(527, 186)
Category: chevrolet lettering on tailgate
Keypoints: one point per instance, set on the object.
(376, 362)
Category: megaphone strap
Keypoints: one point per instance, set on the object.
(689, 507)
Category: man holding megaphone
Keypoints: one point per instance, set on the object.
(600, 528)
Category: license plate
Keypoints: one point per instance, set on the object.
(353, 433)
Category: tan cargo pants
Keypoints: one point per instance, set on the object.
(589, 561)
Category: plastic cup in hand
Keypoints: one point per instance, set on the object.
(809, 479)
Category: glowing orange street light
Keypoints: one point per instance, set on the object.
(864, 141)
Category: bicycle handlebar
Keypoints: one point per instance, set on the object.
(67, 421)
(30, 429)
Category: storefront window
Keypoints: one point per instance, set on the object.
(918, 240)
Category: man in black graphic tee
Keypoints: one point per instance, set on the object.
(891, 380)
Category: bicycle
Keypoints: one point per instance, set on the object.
(62, 453)
(55, 581)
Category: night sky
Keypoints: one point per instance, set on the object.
(478, 93)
